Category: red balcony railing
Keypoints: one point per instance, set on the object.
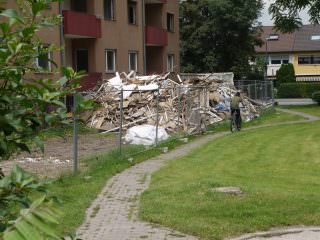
(78, 24)
(90, 81)
(156, 36)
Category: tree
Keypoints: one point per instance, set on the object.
(218, 35)
(23, 102)
(27, 210)
(286, 74)
(285, 13)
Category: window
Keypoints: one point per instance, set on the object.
(79, 5)
(133, 61)
(132, 12)
(110, 60)
(170, 22)
(109, 9)
(315, 37)
(170, 63)
(273, 37)
(278, 60)
(305, 60)
(43, 62)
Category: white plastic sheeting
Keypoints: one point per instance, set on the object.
(145, 135)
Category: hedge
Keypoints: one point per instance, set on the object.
(297, 90)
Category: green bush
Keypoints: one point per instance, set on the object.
(286, 74)
(316, 97)
(297, 90)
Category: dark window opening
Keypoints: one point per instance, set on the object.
(79, 5)
(82, 60)
(109, 9)
(43, 61)
(170, 22)
(275, 62)
(133, 61)
(110, 60)
(132, 12)
(305, 60)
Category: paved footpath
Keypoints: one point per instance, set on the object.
(114, 214)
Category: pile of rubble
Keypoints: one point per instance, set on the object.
(179, 102)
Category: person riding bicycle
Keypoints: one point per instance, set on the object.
(235, 107)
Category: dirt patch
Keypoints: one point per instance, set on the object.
(58, 154)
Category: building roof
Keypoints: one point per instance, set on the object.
(305, 39)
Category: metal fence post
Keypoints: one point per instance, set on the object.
(121, 122)
(75, 134)
(255, 90)
(157, 122)
(272, 93)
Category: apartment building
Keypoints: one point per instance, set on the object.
(105, 36)
(301, 48)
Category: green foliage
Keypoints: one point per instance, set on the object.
(218, 35)
(23, 102)
(316, 97)
(286, 13)
(286, 74)
(297, 90)
(23, 217)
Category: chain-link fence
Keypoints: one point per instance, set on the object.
(259, 90)
(180, 111)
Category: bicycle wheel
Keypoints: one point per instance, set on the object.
(233, 123)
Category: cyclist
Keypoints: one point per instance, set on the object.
(235, 107)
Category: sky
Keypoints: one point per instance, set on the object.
(266, 18)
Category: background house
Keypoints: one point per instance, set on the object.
(301, 48)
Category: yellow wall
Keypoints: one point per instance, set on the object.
(313, 69)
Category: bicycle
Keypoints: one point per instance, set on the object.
(235, 122)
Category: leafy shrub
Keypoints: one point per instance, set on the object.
(27, 211)
(297, 90)
(286, 74)
(316, 97)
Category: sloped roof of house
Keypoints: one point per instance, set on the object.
(305, 39)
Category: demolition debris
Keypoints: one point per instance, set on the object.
(186, 102)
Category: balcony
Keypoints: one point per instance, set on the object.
(156, 36)
(90, 81)
(81, 25)
(156, 1)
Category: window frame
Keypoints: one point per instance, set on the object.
(134, 4)
(136, 61)
(114, 59)
(170, 22)
(49, 63)
(170, 65)
(280, 58)
(311, 58)
(112, 11)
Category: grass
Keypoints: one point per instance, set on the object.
(269, 116)
(312, 109)
(77, 192)
(66, 130)
(276, 167)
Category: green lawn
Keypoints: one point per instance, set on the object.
(77, 192)
(276, 167)
(312, 109)
(269, 116)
